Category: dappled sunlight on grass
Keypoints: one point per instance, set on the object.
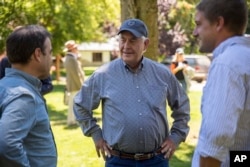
(74, 149)
(57, 110)
(182, 157)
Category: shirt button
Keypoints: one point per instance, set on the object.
(140, 113)
(137, 87)
(139, 100)
(140, 128)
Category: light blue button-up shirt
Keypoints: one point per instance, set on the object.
(25, 134)
(226, 103)
(133, 106)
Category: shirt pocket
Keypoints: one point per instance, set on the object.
(156, 95)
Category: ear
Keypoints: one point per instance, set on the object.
(220, 23)
(146, 43)
(37, 55)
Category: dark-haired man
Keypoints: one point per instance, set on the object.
(26, 138)
(220, 28)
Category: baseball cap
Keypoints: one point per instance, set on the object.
(180, 51)
(135, 26)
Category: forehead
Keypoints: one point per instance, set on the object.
(199, 16)
(47, 42)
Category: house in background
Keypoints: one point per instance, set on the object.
(96, 54)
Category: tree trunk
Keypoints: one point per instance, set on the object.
(147, 11)
(58, 65)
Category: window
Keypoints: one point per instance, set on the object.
(97, 57)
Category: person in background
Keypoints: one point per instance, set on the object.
(74, 77)
(26, 138)
(4, 63)
(178, 67)
(188, 74)
(134, 92)
(47, 85)
(2, 53)
(220, 28)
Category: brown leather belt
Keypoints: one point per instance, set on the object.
(137, 156)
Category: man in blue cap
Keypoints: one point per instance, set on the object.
(134, 92)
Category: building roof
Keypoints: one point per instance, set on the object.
(111, 45)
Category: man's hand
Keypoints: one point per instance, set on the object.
(103, 148)
(168, 148)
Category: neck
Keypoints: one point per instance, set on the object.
(26, 68)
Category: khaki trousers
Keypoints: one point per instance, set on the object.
(71, 120)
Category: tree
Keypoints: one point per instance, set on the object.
(170, 22)
(176, 26)
(72, 19)
(146, 11)
(248, 26)
(172, 28)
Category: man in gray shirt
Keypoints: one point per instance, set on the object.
(134, 92)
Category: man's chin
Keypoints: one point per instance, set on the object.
(127, 55)
(126, 58)
(44, 76)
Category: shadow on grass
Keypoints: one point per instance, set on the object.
(58, 117)
(58, 88)
(58, 111)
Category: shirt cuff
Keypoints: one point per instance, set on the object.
(176, 139)
(97, 135)
(206, 149)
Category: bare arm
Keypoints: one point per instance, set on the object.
(209, 161)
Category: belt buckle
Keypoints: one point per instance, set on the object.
(138, 156)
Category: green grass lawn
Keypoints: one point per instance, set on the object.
(76, 150)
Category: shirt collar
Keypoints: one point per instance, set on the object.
(139, 68)
(31, 79)
(229, 42)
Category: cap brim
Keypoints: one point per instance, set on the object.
(135, 33)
